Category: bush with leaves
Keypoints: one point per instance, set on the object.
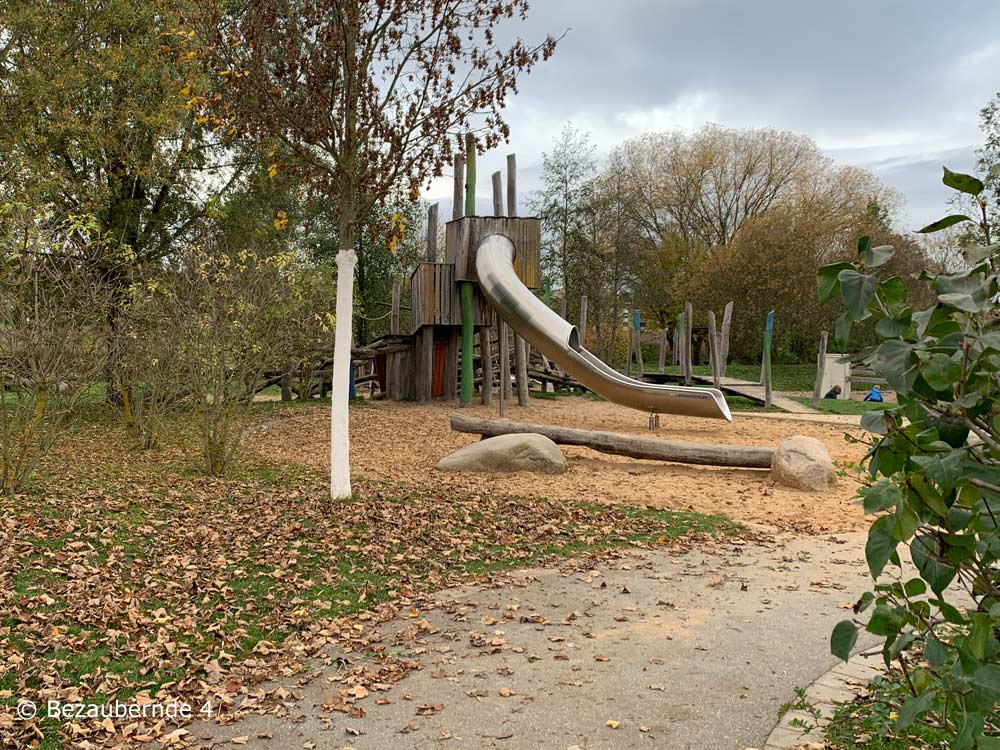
(933, 480)
(219, 316)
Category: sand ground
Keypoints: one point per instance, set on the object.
(402, 442)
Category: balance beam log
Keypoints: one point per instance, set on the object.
(747, 457)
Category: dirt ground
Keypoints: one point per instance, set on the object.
(402, 442)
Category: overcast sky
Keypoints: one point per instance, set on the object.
(891, 85)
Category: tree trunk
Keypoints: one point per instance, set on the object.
(340, 450)
(743, 456)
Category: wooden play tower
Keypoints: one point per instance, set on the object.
(448, 312)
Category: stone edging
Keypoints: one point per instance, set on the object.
(838, 685)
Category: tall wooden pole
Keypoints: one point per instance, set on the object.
(768, 338)
(520, 349)
(583, 320)
(688, 333)
(458, 189)
(432, 233)
(503, 369)
(727, 319)
(465, 287)
(714, 350)
(511, 185)
(663, 349)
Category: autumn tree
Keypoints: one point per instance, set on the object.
(97, 118)
(566, 173)
(367, 94)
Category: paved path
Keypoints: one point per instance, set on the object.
(756, 392)
(692, 650)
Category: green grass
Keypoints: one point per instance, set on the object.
(870, 724)
(783, 377)
(842, 406)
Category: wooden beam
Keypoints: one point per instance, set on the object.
(582, 330)
(624, 445)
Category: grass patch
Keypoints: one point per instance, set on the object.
(870, 724)
(843, 406)
(783, 377)
(192, 570)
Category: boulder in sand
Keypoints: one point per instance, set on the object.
(517, 452)
(803, 463)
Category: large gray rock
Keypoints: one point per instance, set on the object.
(803, 463)
(518, 452)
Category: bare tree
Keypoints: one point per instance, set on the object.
(52, 313)
(367, 93)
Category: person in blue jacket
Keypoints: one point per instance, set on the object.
(874, 395)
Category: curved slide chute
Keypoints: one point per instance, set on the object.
(559, 341)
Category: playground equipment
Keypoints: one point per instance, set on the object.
(558, 339)
(491, 265)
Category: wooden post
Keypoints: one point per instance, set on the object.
(486, 357)
(727, 319)
(663, 349)
(432, 233)
(714, 350)
(637, 327)
(562, 306)
(423, 366)
(675, 352)
(504, 369)
(394, 315)
(521, 367)
(766, 375)
(520, 347)
(465, 290)
(628, 355)
(820, 367)
(497, 195)
(582, 330)
(511, 185)
(451, 364)
(680, 346)
(457, 198)
(688, 332)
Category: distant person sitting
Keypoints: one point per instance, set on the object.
(833, 392)
(874, 395)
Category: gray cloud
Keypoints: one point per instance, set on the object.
(891, 85)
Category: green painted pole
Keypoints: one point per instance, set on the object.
(465, 287)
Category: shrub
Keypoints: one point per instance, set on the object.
(52, 315)
(933, 480)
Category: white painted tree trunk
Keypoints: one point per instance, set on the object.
(340, 444)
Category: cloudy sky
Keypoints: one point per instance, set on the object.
(891, 85)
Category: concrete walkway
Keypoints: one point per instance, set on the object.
(652, 650)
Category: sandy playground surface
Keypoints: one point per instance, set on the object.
(402, 442)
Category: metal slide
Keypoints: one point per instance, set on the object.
(558, 340)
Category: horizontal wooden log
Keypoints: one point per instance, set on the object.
(624, 445)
